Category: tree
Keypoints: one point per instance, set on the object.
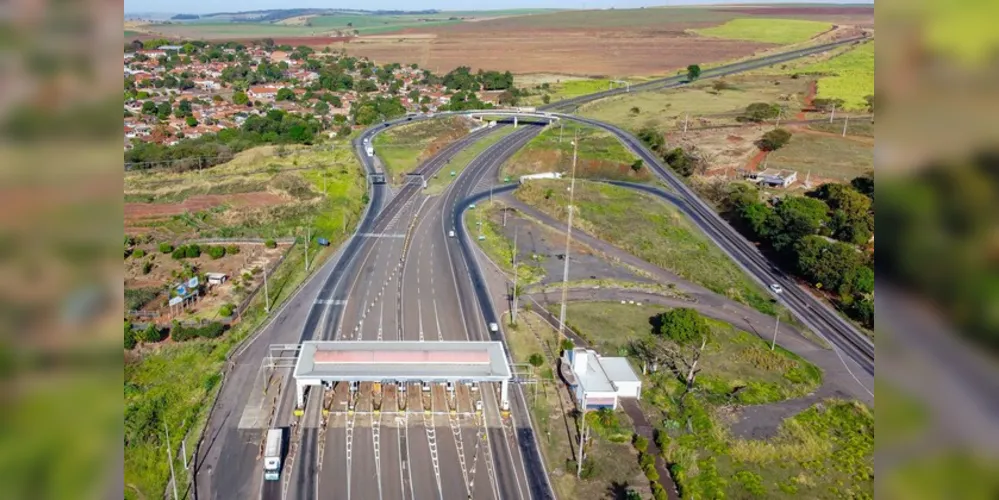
(216, 252)
(240, 98)
(637, 165)
(794, 218)
(864, 184)
(321, 108)
(285, 94)
(163, 110)
(833, 265)
(546, 98)
(759, 111)
(693, 72)
(149, 108)
(366, 86)
(755, 218)
(129, 337)
(774, 139)
(567, 344)
(165, 248)
(681, 335)
(635, 110)
(151, 334)
(652, 138)
(536, 360)
(191, 121)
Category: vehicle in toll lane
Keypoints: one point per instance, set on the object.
(272, 454)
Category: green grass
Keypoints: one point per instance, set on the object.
(613, 462)
(175, 383)
(780, 31)
(129, 33)
(496, 245)
(859, 127)
(833, 158)
(848, 76)
(370, 25)
(233, 30)
(296, 174)
(438, 184)
(600, 155)
(733, 359)
(666, 109)
(651, 230)
(617, 18)
(401, 149)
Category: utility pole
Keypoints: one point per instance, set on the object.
(516, 277)
(833, 114)
(780, 112)
(685, 117)
(568, 240)
(173, 476)
(308, 238)
(582, 432)
(846, 121)
(561, 125)
(267, 295)
(773, 343)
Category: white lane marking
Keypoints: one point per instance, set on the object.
(419, 310)
(440, 336)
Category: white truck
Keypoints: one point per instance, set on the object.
(272, 454)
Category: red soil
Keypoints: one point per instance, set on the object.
(135, 213)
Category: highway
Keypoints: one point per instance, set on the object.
(388, 282)
(677, 81)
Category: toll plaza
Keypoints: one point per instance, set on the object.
(402, 376)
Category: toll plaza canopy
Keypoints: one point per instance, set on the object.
(407, 361)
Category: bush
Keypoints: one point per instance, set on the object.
(758, 112)
(637, 165)
(139, 253)
(662, 440)
(658, 492)
(226, 310)
(180, 333)
(216, 252)
(645, 460)
(651, 473)
(129, 336)
(774, 139)
(147, 266)
(166, 248)
(270, 243)
(192, 251)
(232, 249)
(641, 444)
(152, 333)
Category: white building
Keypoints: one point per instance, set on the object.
(599, 382)
(776, 178)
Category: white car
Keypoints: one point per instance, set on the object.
(450, 233)
(493, 327)
(776, 288)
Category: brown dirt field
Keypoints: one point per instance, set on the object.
(294, 41)
(135, 213)
(621, 52)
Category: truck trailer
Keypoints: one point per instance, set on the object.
(272, 454)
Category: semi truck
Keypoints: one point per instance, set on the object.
(272, 454)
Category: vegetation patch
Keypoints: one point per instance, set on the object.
(848, 76)
(650, 230)
(600, 155)
(403, 148)
(442, 180)
(780, 31)
(485, 226)
(824, 157)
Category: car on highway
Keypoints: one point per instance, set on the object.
(450, 233)
(493, 327)
(776, 288)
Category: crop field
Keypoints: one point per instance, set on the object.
(825, 157)
(848, 76)
(779, 31)
(667, 109)
(600, 155)
(666, 17)
(650, 230)
(371, 25)
(403, 148)
(221, 30)
(263, 192)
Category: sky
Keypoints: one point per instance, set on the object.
(206, 7)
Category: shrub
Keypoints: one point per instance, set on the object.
(658, 492)
(232, 249)
(129, 336)
(662, 440)
(216, 252)
(179, 253)
(758, 112)
(645, 460)
(152, 333)
(270, 243)
(166, 248)
(139, 253)
(193, 251)
(774, 139)
(637, 165)
(641, 444)
(651, 473)
(226, 310)
(147, 266)
(181, 333)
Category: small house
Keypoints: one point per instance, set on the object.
(216, 278)
(598, 382)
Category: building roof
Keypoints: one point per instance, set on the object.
(376, 361)
(619, 370)
(594, 380)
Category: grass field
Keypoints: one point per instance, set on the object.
(650, 230)
(825, 157)
(617, 18)
(600, 155)
(496, 245)
(848, 76)
(281, 189)
(780, 31)
(666, 109)
(371, 25)
(401, 149)
(174, 384)
(613, 462)
(439, 183)
(861, 128)
(732, 359)
(233, 30)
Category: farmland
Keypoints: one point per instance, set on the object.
(263, 192)
(848, 76)
(600, 155)
(825, 157)
(780, 31)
